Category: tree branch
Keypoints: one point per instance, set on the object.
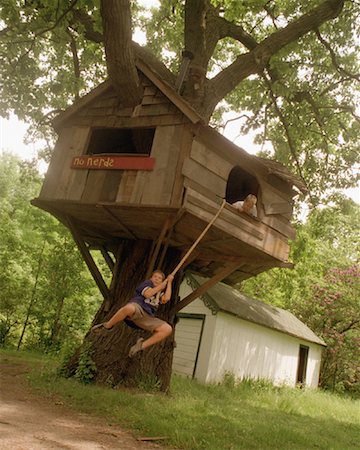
(142, 52)
(79, 15)
(334, 59)
(305, 95)
(76, 63)
(349, 327)
(58, 20)
(258, 58)
(270, 13)
(237, 32)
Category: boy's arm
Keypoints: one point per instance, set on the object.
(152, 291)
(167, 295)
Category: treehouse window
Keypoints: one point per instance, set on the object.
(240, 184)
(129, 141)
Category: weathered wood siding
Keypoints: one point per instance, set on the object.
(121, 186)
(155, 110)
(242, 227)
(207, 168)
(62, 182)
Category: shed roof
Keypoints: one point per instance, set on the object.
(222, 297)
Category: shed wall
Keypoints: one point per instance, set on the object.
(198, 307)
(251, 351)
(231, 344)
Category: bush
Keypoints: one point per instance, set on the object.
(86, 369)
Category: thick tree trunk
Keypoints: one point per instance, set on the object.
(116, 18)
(110, 350)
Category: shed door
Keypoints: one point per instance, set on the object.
(188, 333)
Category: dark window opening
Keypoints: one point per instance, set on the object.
(121, 141)
(240, 184)
(302, 365)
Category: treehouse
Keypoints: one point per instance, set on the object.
(157, 172)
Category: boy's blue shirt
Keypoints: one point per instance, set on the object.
(149, 305)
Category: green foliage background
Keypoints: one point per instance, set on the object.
(45, 286)
(303, 108)
(323, 290)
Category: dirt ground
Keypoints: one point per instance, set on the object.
(29, 421)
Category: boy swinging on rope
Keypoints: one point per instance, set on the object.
(141, 311)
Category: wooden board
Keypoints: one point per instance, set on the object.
(165, 150)
(211, 160)
(130, 122)
(66, 178)
(271, 242)
(201, 175)
(184, 151)
(126, 186)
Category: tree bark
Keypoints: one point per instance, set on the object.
(110, 349)
(116, 17)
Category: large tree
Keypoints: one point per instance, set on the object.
(288, 67)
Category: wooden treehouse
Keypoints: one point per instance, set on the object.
(156, 172)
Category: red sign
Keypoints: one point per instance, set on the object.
(104, 162)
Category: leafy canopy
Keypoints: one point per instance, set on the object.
(300, 94)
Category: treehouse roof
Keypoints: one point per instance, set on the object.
(207, 132)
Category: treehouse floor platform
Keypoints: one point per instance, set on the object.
(233, 237)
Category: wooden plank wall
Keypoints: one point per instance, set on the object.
(155, 187)
(61, 181)
(206, 170)
(118, 186)
(155, 109)
(255, 234)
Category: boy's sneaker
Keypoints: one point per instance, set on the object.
(99, 328)
(136, 348)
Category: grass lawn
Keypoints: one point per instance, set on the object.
(249, 415)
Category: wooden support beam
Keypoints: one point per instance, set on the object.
(223, 273)
(175, 220)
(155, 253)
(88, 259)
(109, 261)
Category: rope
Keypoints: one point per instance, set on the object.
(191, 249)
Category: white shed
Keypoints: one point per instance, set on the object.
(226, 331)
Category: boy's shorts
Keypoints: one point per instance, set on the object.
(143, 320)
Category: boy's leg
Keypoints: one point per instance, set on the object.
(160, 333)
(126, 311)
